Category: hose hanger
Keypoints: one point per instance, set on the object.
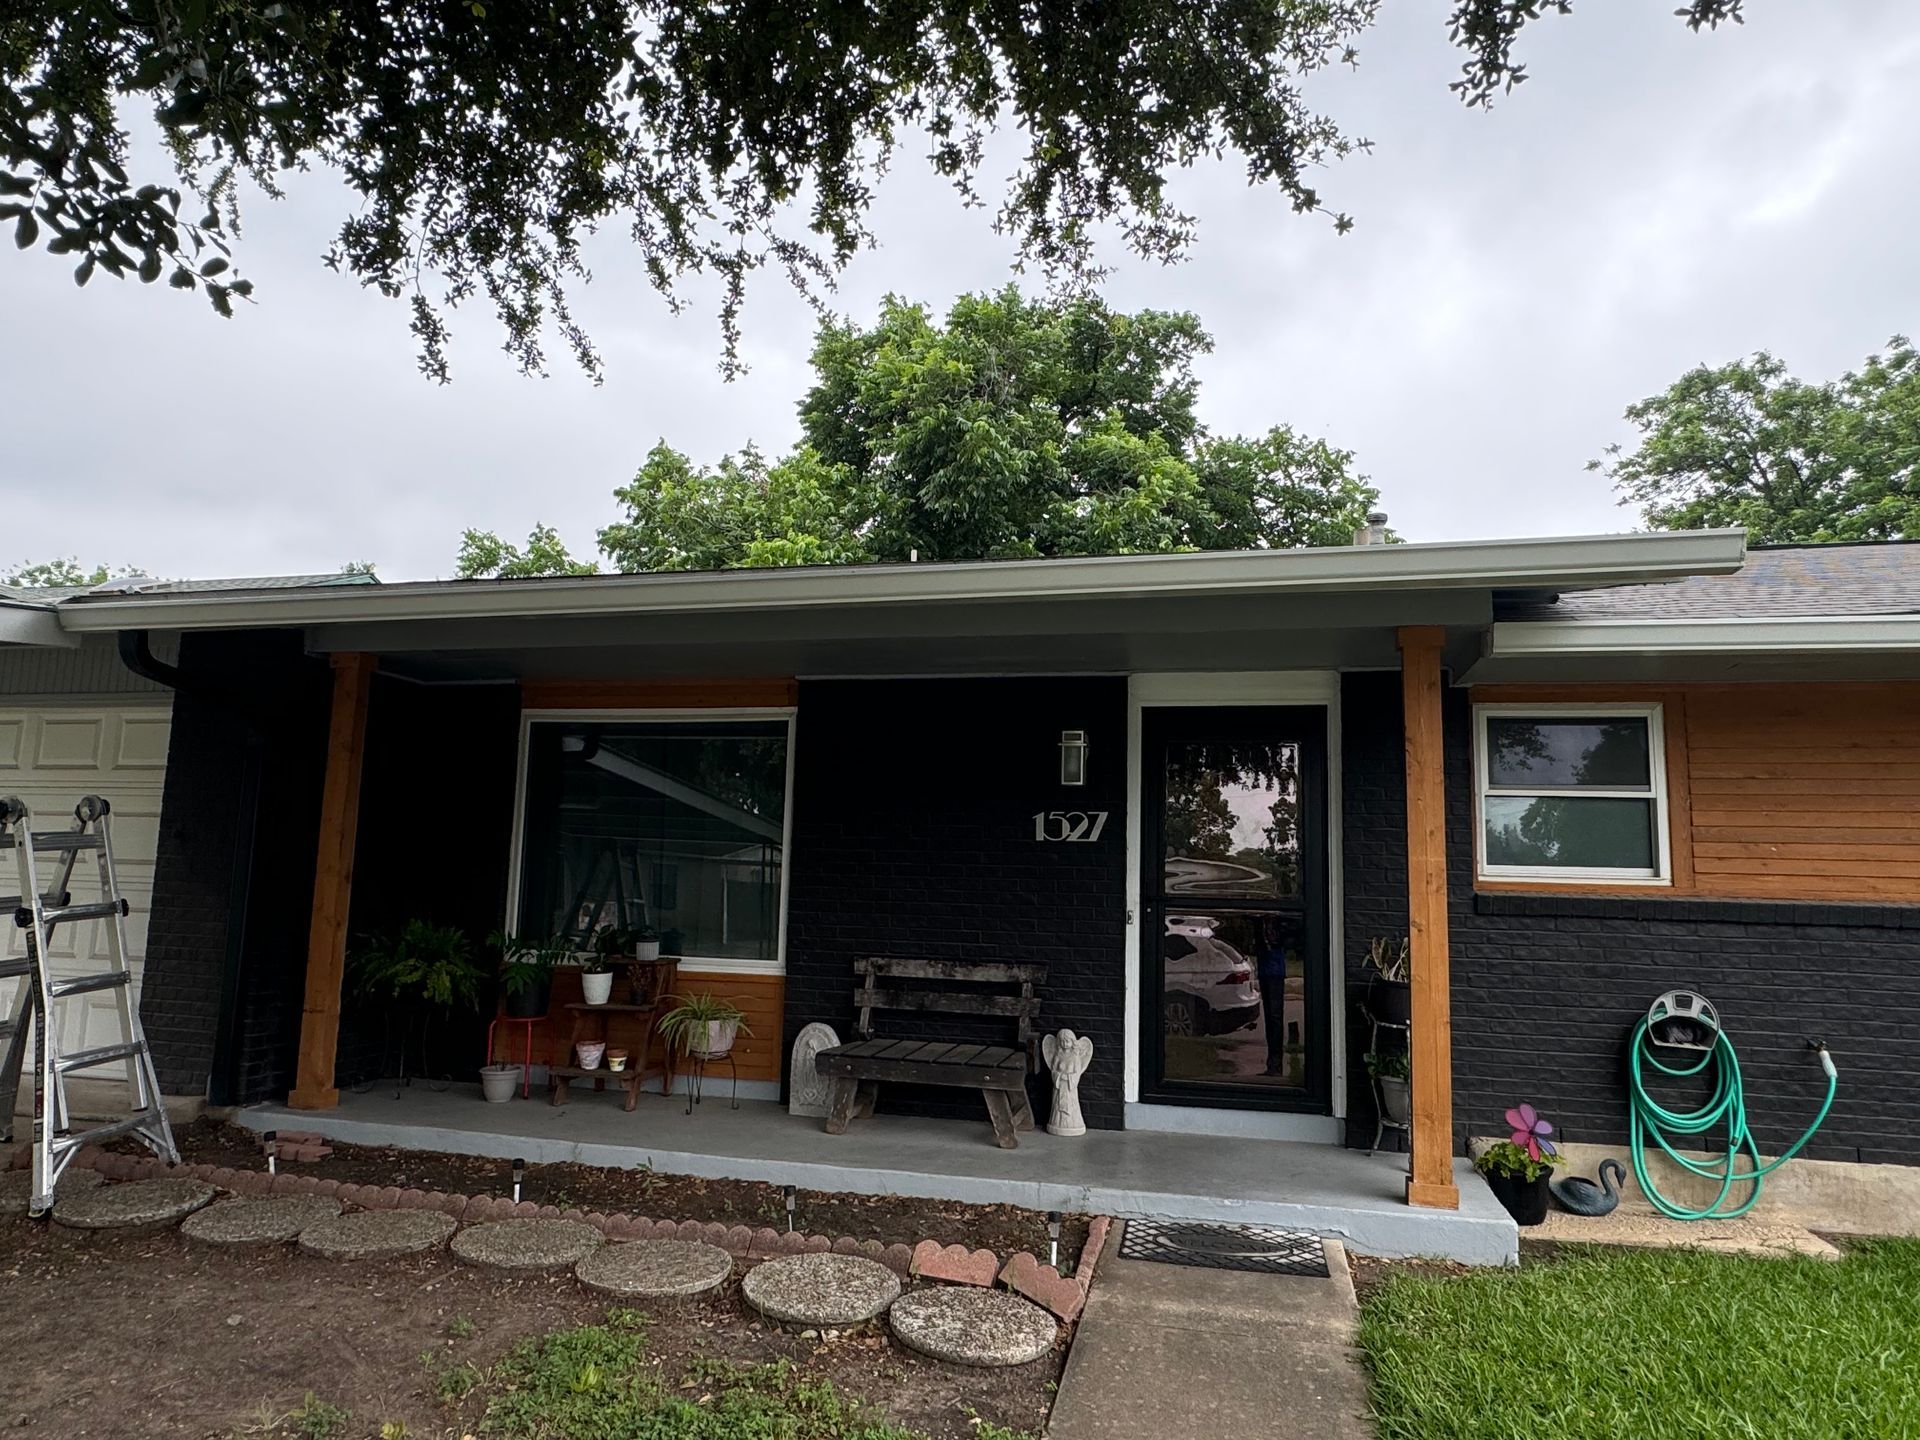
(1683, 1020)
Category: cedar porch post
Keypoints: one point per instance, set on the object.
(1430, 1040)
(333, 884)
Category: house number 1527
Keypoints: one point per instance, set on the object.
(1069, 824)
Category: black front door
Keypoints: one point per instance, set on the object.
(1234, 907)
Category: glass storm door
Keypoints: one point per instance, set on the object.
(1233, 892)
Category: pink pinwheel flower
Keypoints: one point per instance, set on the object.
(1530, 1132)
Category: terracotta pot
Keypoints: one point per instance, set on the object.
(616, 1059)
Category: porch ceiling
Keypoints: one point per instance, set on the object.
(1177, 633)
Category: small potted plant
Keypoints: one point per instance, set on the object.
(1519, 1167)
(703, 1025)
(526, 974)
(1389, 996)
(497, 1081)
(596, 979)
(1394, 1072)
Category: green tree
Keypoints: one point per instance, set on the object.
(1747, 444)
(1014, 428)
(484, 139)
(66, 572)
(486, 554)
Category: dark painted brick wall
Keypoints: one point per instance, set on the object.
(1546, 989)
(913, 835)
(197, 865)
(436, 824)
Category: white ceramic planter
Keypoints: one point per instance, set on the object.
(715, 1039)
(646, 949)
(497, 1082)
(1396, 1098)
(595, 989)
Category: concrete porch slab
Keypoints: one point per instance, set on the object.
(1324, 1189)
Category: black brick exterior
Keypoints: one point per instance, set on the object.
(200, 869)
(1546, 988)
(913, 835)
(436, 827)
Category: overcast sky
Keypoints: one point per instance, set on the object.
(1650, 200)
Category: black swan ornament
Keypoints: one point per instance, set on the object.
(1583, 1197)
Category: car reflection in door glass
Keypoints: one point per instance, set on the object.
(1234, 999)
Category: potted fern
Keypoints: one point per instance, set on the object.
(703, 1025)
(526, 973)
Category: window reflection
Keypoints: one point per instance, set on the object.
(1233, 999)
(1232, 819)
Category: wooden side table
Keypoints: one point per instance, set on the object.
(590, 1022)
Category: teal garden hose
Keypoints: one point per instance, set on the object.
(1651, 1122)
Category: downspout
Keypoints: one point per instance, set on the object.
(223, 1073)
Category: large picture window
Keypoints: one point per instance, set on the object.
(1571, 792)
(674, 825)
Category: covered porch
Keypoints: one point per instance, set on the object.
(1298, 1185)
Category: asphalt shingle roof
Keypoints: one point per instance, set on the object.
(1880, 578)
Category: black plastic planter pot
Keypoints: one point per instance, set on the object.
(1524, 1200)
(529, 1003)
(1390, 1002)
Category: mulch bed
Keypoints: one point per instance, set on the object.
(890, 1219)
(151, 1335)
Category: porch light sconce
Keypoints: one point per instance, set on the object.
(519, 1174)
(1073, 757)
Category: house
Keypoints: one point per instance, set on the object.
(1576, 771)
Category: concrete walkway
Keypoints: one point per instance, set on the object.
(1186, 1354)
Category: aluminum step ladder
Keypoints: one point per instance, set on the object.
(38, 909)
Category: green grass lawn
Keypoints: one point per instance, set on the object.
(1647, 1345)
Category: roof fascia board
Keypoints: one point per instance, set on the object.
(1512, 639)
(37, 625)
(1576, 562)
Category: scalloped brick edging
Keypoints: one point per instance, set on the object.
(929, 1260)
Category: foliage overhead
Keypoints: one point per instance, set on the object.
(63, 572)
(1016, 428)
(484, 140)
(1746, 444)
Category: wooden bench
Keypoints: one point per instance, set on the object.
(999, 1072)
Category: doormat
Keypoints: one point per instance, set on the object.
(1258, 1248)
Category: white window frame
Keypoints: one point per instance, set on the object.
(1651, 712)
(694, 964)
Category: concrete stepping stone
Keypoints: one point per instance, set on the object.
(972, 1327)
(820, 1289)
(530, 1244)
(245, 1221)
(136, 1204)
(377, 1234)
(656, 1269)
(16, 1187)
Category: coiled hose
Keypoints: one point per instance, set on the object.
(1648, 1120)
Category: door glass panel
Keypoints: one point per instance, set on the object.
(1231, 825)
(1234, 998)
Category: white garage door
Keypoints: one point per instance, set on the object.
(51, 757)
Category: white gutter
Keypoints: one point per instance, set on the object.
(1515, 639)
(1579, 562)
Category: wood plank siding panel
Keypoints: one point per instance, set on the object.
(1784, 792)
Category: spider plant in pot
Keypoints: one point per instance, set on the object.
(703, 1025)
(1389, 996)
(1393, 1072)
(526, 973)
(1519, 1167)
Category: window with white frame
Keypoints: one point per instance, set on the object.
(1571, 792)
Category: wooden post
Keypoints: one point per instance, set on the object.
(333, 884)
(1430, 1041)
